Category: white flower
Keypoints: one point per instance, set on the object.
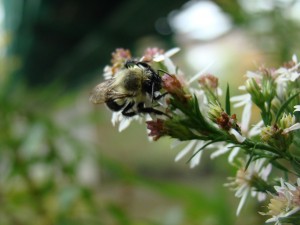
(241, 184)
(288, 74)
(285, 203)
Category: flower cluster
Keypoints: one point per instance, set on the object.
(193, 115)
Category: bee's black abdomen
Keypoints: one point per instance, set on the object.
(114, 106)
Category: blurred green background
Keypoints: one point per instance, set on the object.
(61, 160)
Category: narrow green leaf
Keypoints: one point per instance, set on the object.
(196, 107)
(227, 101)
(284, 105)
(249, 161)
(202, 148)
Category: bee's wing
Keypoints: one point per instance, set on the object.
(99, 93)
(107, 91)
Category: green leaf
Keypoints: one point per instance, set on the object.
(284, 105)
(249, 161)
(227, 101)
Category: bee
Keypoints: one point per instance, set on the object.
(130, 90)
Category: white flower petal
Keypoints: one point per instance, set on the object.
(251, 74)
(237, 135)
(175, 143)
(219, 152)
(261, 196)
(241, 100)
(289, 186)
(124, 123)
(114, 118)
(256, 129)
(246, 117)
(294, 58)
(297, 108)
(296, 126)
(171, 52)
(198, 75)
(233, 154)
(196, 158)
(294, 76)
(184, 151)
(170, 66)
(242, 202)
(266, 172)
(167, 54)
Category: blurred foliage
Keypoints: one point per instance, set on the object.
(71, 39)
(273, 31)
(52, 45)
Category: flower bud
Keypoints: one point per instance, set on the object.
(209, 81)
(287, 121)
(173, 86)
(255, 91)
(268, 88)
(217, 114)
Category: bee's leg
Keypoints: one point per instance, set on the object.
(126, 111)
(142, 109)
(159, 96)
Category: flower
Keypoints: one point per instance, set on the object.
(247, 181)
(289, 72)
(285, 203)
